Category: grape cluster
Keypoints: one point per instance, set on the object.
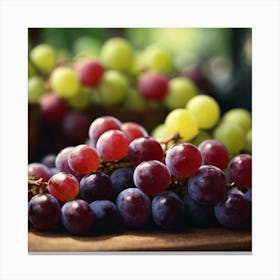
(122, 177)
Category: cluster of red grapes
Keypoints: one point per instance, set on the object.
(124, 178)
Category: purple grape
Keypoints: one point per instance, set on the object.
(49, 160)
(96, 186)
(167, 210)
(207, 185)
(121, 178)
(107, 217)
(240, 171)
(134, 207)
(234, 210)
(44, 211)
(39, 171)
(77, 216)
(198, 215)
(144, 149)
(151, 177)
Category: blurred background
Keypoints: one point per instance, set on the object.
(217, 60)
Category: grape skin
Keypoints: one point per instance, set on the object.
(77, 217)
(134, 207)
(208, 185)
(167, 210)
(39, 171)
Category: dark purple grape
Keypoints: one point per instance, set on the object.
(49, 160)
(44, 211)
(144, 149)
(240, 171)
(77, 217)
(248, 195)
(134, 207)
(234, 210)
(207, 185)
(167, 210)
(198, 215)
(121, 178)
(107, 217)
(96, 186)
(151, 177)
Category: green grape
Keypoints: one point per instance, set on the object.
(81, 100)
(158, 59)
(240, 117)
(134, 100)
(181, 90)
(31, 70)
(65, 81)
(43, 57)
(113, 88)
(86, 47)
(36, 88)
(95, 96)
(205, 109)
(183, 122)
(160, 132)
(232, 136)
(117, 54)
(248, 145)
(200, 137)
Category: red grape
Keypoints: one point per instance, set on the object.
(39, 170)
(83, 159)
(133, 131)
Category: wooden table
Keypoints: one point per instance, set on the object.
(191, 239)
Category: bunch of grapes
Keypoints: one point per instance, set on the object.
(122, 177)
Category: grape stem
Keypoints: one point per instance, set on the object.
(175, 138)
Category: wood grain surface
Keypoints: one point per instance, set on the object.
(192, 239)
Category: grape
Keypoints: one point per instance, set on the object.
(158, 59)
(39, 171)
(65, 82)
(43, 57)
(113, 88)
(107, 217)
(183, 122)
(81, 100)
(31, 70)
(200, 137)
(53, 108)
(144, 149)
(160, 132)
(49, 160)
(90, 72)
(75, 127)
(181, 90)
(240, 171)
(134, 100)
(63, 186)
(240, 117)
(207, 185)
(153, 85)
(96, 186)
(112, 145)
(248, 145)
(205, 109)
(197, 214)
(43, 211)
(234, 210)
(134, 207)
(117, 53)
(183, 160)
(36, 88)
(232, 136)
(121, 178)
(83, 159)
(101, 125)
(151, 177)
(167, 210)
(133, 131)
(86, 46)
(214, 152)
(248, 195)
(61, 161)
(77, 217)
